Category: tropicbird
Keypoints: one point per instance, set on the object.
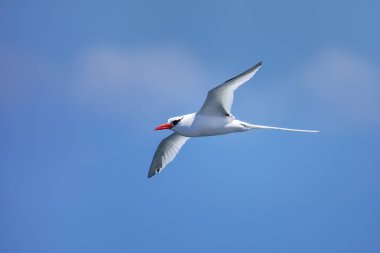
(214, 118)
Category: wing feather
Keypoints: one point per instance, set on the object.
(166, 151)
(219, 100)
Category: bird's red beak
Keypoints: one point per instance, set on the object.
(164, 126)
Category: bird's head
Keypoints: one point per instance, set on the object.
(172, 122)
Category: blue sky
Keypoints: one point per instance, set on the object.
(83, 84)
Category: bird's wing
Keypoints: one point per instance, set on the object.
(166, 152)
(219, 99)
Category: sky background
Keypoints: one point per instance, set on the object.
(84, 83)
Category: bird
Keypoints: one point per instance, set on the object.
(213, 118)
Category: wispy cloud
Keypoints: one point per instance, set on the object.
(137, 80)
(345, 84)
(146, 83)
(332, 89)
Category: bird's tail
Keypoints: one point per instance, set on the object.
(277, 128)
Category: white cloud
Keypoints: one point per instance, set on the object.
(144, 84)
(346, 86)
(138, 80)
(333, 90)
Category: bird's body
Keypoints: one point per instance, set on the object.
(197, 125)
(214, 118)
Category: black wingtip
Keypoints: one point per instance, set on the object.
(151, 172)
(257, 65)
(246, 72)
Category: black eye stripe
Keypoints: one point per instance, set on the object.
(175, 122)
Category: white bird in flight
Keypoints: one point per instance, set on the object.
(214, 118)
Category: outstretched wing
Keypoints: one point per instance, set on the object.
(166, 152)
(219, 100)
